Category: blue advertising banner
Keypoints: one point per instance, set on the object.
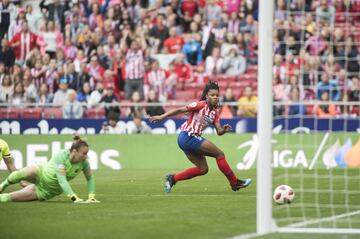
(170, 126)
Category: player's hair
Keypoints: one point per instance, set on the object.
(78, 143)
(211, 85)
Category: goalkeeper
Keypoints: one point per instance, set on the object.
(51, 179)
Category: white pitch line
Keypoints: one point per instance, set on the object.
(302, 224)
(182, 195)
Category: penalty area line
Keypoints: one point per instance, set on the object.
(181, 195)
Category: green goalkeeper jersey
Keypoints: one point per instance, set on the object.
(50, 177)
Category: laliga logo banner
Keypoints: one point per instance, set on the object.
(344, 156)
(336, 155)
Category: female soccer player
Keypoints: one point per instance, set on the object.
(51, 179)
(195, 147)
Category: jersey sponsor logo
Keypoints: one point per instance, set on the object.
(193, 104)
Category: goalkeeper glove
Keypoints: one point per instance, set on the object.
(92, 199)
(76, 199)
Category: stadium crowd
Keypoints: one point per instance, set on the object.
(77, 54)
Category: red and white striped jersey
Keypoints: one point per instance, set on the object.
(134, 64)
(200, 117)
(156, 81)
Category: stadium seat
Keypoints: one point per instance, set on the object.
(226, 112)
(185, 95)
(52, 112)
(9, 113)
(95, 113)
(29, 113)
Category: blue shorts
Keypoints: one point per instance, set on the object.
(189, 143)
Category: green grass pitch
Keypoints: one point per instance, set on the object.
(134, 205)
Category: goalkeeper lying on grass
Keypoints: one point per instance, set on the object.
(51, 179)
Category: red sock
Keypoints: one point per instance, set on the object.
(226, 170)
(187, 174)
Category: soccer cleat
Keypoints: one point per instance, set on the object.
(169, 182)
(241, 184)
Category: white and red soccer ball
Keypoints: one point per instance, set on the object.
(284, 194)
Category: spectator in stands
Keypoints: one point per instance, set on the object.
(110, 97)
(84, 94)
(248, 25)
(97, 94)
(173, 44)
(200, 76)
(6, 89)
(18, 98)
(351, 54)
(327, 110)
(113, 126)
(104, 60)
(44, 97)
(61, 94)
(233, 24)
(135, 110)
(212, 11)
(30, 89)
(23, 42)
(38, 73)
(229, 97)
(156, 80)
(328, 85)
(331, 66)
(214, 62)
(312, 71)
(95, 70)
(134, 65)
(7, 55)
(8, 13)
(228, 44)
(346, 110)
(295, 107)
(51, 75)
(33, 18)
(316, 44)
(354, 91)
(140, 127)
(71, 75)
(55, 12)
(182, 70)
(81, 78)
(72, 109)
(50, 40)
(154, 110)
(279, 94)
(70, 49)
(171, 81)
(281, 10)
(187, 10)
(192, 50)
(325, 13)
(294, 83)
(159, 32)
(247, 103)
(233, 64)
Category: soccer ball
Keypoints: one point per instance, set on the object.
(284, 194)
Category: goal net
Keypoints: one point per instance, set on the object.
(316, 143)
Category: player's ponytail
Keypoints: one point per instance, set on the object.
(211, 85)
(78, 143)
